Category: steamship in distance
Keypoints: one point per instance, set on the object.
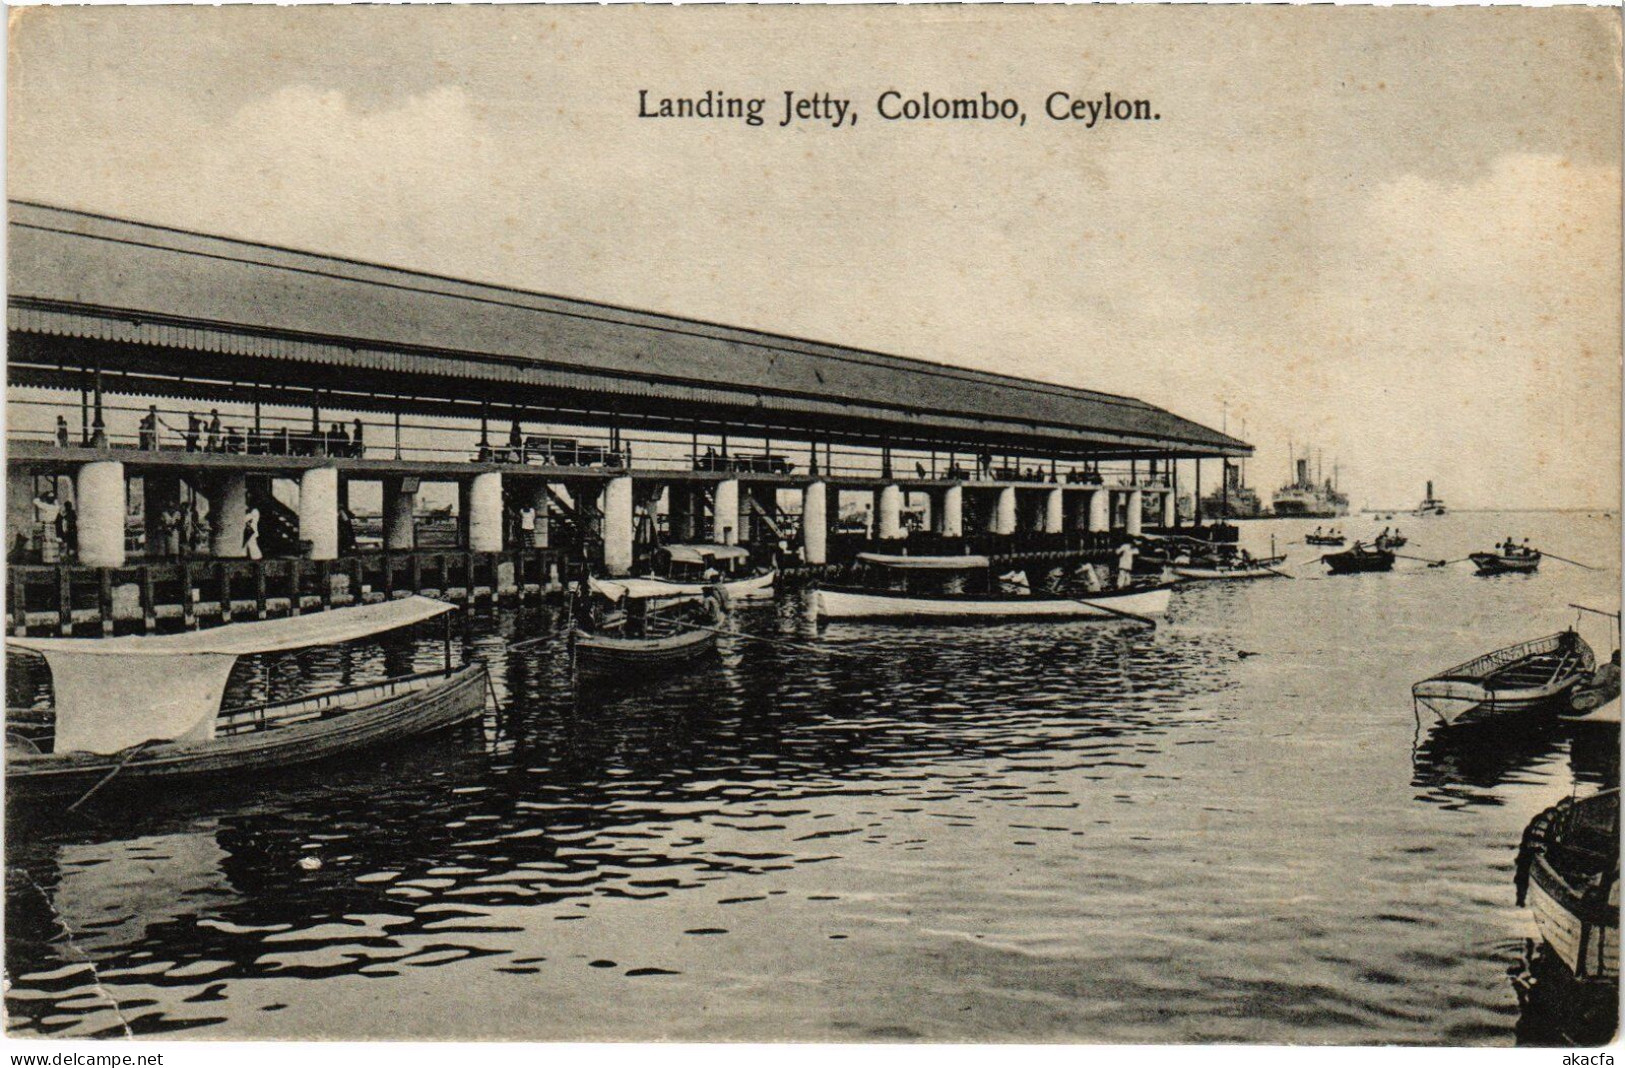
(1308, 498)
(1430, 505)
(1235, 499)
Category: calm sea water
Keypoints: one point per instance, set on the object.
(1230, 829)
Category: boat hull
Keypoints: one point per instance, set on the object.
(1459, 701)
(1351, 563)
(413, 714)
(1209, 574)
(604, 657)
(751, 588)
(836, 603)
(1494, 564)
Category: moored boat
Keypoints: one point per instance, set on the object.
(837, 602)
(646, 633)
(1239, 567)
(1568, 875)
(692, 569)
(1359, 559)
(142, 710)
(1324, 539)
(1528, 676)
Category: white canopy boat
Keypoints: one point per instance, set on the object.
(1006, 597)
(147, 708)
(835, 602)
(689, 564)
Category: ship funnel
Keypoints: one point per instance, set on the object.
(1430, 490)
(1303, 472)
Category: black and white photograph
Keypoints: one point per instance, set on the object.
(844, 524)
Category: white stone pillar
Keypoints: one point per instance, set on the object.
(1100, 510)
(485, 513)
(814, 524)
(542, 503)
(1055, 511)
(952, 524)
(1168, 506)
(319, 512)
(400, 508)
(1136, 512)
(725, 513)
(228, 512)
(617, 507)
(889, 505)
(100, 491)
(1004, 515)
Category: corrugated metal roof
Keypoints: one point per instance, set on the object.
(78, 274)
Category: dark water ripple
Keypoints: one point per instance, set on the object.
(1231, 829)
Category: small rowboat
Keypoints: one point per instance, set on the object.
(1568, 874)
(138, 711)
(749, 588)
(1324, 539)
(1525, 677)
(1247, 569)
(843, 602)
(1501, 564)
(1359, 559)
(612, 656)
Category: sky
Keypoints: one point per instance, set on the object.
(1392, 234)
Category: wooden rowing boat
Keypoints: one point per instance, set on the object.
(612, 656)
(266, 738)
(1568, 874)
(1359, 559)
(141, 710)
(1228, 570)
(686, 568)
(847, 602)
(1528, 676)
(1501, 564)
(1324, 539)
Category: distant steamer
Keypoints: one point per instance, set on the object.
(1430, 505)
(1308, 498)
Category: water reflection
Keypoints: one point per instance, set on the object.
(1017, 831)
(1463, 764)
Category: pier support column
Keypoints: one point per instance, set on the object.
(951, 521)
(889, 506)
(680, 511)
(1100, 511)
(20, 509)
(1055, 511)
(319, 512)
(814, 524)
(617, 507)
(100, 493)
(400, 506)
(1004, 514)
(485, 513)
(228, 511)
(541, 502)
(725, 513)
(1168, 506)
(1135, 519)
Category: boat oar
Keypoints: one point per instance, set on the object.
(1566, 560)
(1283, 574)
(1421, 560)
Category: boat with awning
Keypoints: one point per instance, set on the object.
(692, 569)
(965, 588)
(145, 708)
